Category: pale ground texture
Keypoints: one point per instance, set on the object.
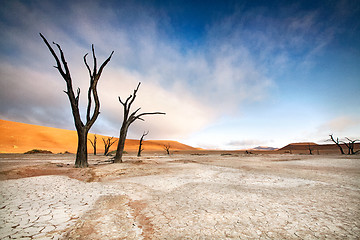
(182, 196)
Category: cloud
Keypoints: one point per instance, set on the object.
(278, 38)
(32, 96)
(184, 113)
(193, 87)
(339, 124)
(247, 143)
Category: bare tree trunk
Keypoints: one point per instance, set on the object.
(127, 121)
(352, 148)
(81, 154)
(310, 150)
(121, 145)
(167, 148)
(81, 128)
(140, 143)
(93, 143)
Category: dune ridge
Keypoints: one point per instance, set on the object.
(18, 137)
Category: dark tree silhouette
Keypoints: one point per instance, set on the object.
(350, 146)
(81, 128)
(337, 143)
(107, 144)
(127, 121)
(93, 143)
(310, 149)
(140, 143)
(167, 148)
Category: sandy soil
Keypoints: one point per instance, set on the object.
(186, 196)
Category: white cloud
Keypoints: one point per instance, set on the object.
(193, 88)
(247, 143)
(340, 124)
(184, 113)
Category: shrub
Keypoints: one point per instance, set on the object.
(38, 151)
(114, 152)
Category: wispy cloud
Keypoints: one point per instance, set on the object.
(247, 143)
(29, 96)
(340, 124)
(193, 88)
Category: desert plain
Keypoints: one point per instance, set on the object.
(185, 195)
(189, 194)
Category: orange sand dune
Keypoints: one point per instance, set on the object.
(20, 137)
(298, 148)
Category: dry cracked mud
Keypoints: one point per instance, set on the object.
(181, 196)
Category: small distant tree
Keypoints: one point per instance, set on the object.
(127, 121)
(350, 146)
(310, 149)
(337, 143)
(140, 143)
(107, 144)
(93, 143)
(167, 148)
(82, 128)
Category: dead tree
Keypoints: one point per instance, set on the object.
(310, 150)
(93, 143)
(350, 146)
(81, 128)
(337, 143)
(140, 143)
(107, 144)
(167, 148)
(127, 121)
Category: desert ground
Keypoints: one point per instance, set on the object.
(187, 195)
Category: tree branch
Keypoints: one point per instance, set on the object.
(122, 103)
(134, 95)
(150, 113)
(87, 66)
(89, 102)
(348, 146)
(63, 60)
(58, 67)
(352, 141)
(67, 77)
(91, 142)
(94, 59)
(126, 102)
(77, 97)
(104, 64)
(93, 89)
(133, 118)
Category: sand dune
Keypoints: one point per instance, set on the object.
(20, 137)
(303, 148)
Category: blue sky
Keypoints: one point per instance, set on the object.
(229, 74)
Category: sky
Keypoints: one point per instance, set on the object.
(228, 74)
